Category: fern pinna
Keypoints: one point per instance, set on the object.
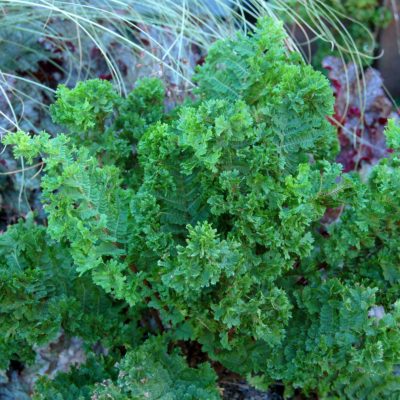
(208, 220)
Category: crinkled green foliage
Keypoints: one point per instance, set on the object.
(336, 345)
(40, 295)
(215, 228)
(108, 125)
(365, 238)
(289, 99)
(150, 372)
(86, 108)
(29, 295)
(142, 107)
(79, 382)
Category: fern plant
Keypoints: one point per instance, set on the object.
(41, 295)
(206, 221)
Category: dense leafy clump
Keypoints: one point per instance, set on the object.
(366, 237)
(149, 372)
(207, 227)
(41, 295)
(79, 382)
